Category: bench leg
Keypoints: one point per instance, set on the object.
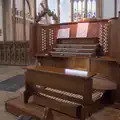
(26, 96)
(47, 114)
(82, 114)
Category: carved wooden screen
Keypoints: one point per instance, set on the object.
(14, 53)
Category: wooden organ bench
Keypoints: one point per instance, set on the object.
(62, 91)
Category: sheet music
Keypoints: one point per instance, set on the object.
(82, 29)
(63, 33)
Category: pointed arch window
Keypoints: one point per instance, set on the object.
(80, 8)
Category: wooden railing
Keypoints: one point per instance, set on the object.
(14, 53)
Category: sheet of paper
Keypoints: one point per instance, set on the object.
(82, 29)
(63, 33)
(76, 72)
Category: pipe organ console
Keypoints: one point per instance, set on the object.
(74, 59)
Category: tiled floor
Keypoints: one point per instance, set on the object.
(10, 71)
(5, 73)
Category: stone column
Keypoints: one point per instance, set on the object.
(86, 8)
(58, 10)
(14, 20)
(35, 11)
(24, 21)
(115, 8)
(72, 8)
(1, 20)
(99, 8)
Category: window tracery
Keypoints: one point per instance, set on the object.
(79, 9)
(73, 12)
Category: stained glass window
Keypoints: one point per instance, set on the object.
(91, 8)
(79, 9)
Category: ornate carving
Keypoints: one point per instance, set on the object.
(14, 53)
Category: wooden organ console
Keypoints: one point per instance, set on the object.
(88, 53)
(74, 74)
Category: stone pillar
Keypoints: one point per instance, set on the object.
(24, 21)
(72, 8)
(35, 11)
(58, 10)
(86, 8)
(115, 8)
(13, 19)
(1, 21)
(99, 8)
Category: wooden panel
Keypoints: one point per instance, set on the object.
(65, 62)
(14, 53)
(17, 107)
(32, 45)
(67, 109)
(93, 30)
(114, 43)
(56, 81)
(108, 68)
(56, 78)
